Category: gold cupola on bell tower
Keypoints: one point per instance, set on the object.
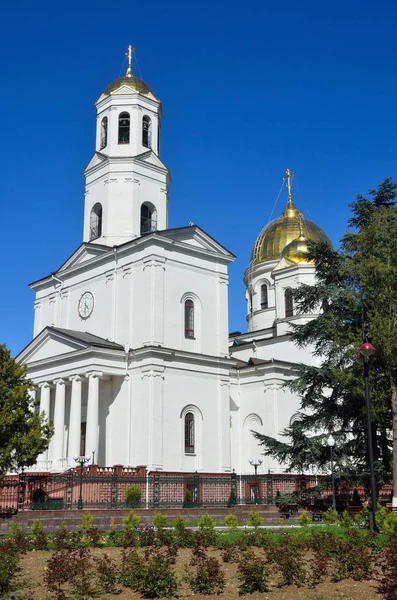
(290, 226)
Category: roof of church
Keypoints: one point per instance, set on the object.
(88, 338)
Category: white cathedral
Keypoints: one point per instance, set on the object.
(131, 357)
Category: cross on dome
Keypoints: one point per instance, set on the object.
(288, 177)
(129, 54)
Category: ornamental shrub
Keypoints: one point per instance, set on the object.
(304, 520)
(87, 521)
(253, 574)
(387, 579)
(208, 577)
(160, 520)
(133, 495)
(179, 523)
(36, 527)
(346, 520)
(287, 556)
(386, 520)
(107, 574)
(157, 579)
(9, 566)
(187, 499)
(206, 522)
(231, 521)
(132, 521)
(330, 516)
(232, 501)
(362, 517)
(254, 519)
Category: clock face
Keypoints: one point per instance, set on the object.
(86, 305)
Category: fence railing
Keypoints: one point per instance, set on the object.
(111, 489)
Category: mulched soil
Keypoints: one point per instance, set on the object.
(33, 566)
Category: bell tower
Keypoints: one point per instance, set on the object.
(126, 191)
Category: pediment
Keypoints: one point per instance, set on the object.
(150, 158)
(85, 252)
(195, 236)
(96, 160)
(49, 344)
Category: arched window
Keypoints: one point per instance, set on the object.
(124, 128)
(104, 133)
(189, 319)
(289, 303)
(189, 433)
(146, 132)
(148, 218)
(96, 221)
(264, 300)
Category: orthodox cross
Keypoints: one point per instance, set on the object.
(288, 177)
(129, 54)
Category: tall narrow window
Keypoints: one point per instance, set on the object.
(96, 221)
(189, 433)
(189, 319)
(146, 132)
(104, 133)
(124, 128)
(289, 303)
(148, 218)
(264, 300)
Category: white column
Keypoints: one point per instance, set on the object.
(91, 439)
(45, 392)
(75, 420)
(59, 422)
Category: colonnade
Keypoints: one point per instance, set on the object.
(55, 457)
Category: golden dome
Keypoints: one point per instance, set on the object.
(282, 231)
(137, 86)
(297, 250)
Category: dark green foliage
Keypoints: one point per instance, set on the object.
(9, 565)
(133, 494)
(232, 500)
(40, 541)
(287, 558)
(352, 560)
(107, 574)
(231, 553)
(253, 574)
(24, 434)
(151, 575)
(355, 286)
(207, 577)
(387, 580)
(187, 499)
(70, 572)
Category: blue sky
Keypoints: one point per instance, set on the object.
(248, 89)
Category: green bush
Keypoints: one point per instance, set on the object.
(330, 516)
(362, 517)
(14, 528)
(232, 498)
(160, 520)
(346, 520)
(231, 521)
(133, 494)
(206, 522)
(304, 520)
(253, 574)
(386, 520)
(179, 523)
(254, 519)
(87, 521)
(9, 566)
(39, 496)
(36, 527)
(187, 499)
(132, 521)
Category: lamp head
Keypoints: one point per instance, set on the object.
(331, 441)
(250, 460)
(367, 349)
(260, 461)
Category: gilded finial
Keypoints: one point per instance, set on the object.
(129, 55)
(301, 233)
(288, 177)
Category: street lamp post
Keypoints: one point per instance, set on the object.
(366, 350)
(331, 444)
(255, 464)
(81, 460)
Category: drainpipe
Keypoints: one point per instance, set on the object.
(114, 293)
(147, 487)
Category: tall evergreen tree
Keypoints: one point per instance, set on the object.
(354, 286)
(24, 434)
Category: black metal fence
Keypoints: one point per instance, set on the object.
(118, 488)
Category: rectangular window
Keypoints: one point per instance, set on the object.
(189, 319)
